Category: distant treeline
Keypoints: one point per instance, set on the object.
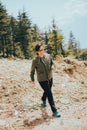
(18, 37)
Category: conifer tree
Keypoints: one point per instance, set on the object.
(73, 45)
(3, 29)
(55, 40)
(24, 33)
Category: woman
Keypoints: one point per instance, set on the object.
(43, 64)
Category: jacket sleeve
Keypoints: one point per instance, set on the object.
(32, 72)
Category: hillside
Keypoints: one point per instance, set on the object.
(20, 104)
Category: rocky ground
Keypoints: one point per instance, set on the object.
(20, 102)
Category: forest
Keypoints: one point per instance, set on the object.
(18, 37)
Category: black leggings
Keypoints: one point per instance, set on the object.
(46, 86)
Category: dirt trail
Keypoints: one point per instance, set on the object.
(20, 102)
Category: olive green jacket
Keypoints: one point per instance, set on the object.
(42, 66)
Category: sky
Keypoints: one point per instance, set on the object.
(69, 15)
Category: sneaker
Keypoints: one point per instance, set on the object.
(56, 114)
(43, 104)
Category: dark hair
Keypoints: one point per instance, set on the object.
(37, 47)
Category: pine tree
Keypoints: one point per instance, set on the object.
(55, 40)
(35, 33)
(12, 33)
(73, 45)
(24, 34)
(3, 29)
(46, 38)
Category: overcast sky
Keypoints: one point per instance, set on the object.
(70, 15)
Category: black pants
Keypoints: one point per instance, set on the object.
(46, 86)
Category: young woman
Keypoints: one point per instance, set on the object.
(43, 65)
